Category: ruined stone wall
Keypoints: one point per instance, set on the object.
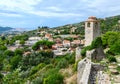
(84, 69)
(81, 67)
(96, 54)
(78, 54)
(89, 71)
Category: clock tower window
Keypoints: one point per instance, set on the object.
(88, 24)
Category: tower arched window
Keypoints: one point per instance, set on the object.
(88, 24)
(96, 25)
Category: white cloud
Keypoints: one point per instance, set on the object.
(53, 8)
(28, 7)
(58, 10)
(18, 4)
(54, 14)
(10, 15)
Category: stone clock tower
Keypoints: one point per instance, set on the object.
(92, 30)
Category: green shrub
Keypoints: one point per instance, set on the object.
(70, 58)
(84, 50)
(1, 76)
(19, 52)
(96, 43)
(62, 63)
(2, 47)
(115, 48)
(37, 80)
(55, 78)
(118, 68)
(15, 61)
(75, 66)
(109, 52)
(36, 68)
(9, 53)
(112, 59)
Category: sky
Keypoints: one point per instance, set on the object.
(29, 14)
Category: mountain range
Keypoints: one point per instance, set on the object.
(9, 30)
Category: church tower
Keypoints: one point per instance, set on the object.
(92, 30)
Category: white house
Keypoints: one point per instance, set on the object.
(32, 40)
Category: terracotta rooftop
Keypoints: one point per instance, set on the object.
(92, 18)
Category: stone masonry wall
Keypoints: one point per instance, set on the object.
(78, 54)
(87, 70)
(84, 69)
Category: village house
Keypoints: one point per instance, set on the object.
(17, 43)
(82, 42)
(73, 29)
(42, 32)
(58, 40)
(50, 39)
(66, 43)
(32, 40)
(76, 42)
(56, 46)
(47, 36)
(26, 53)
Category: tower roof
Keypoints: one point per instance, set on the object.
(92, 19)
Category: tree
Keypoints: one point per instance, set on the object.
(44, 44)
(2, 47)
(115, 48)
(3, 38)
(22, 42)
(15, 61)
(109, 38)
(1, 77)
(9, 53)
(19, 52)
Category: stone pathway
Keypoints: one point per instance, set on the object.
(115, 78)
(98, 77)
(103, 78)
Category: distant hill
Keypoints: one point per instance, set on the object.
(4, 29)
(110, 24)
(10, 30)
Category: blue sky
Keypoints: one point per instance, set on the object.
(30, 14)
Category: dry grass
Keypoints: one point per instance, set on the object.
(70, 77)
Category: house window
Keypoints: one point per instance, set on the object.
(88, 24)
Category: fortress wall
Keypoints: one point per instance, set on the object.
(84, 69)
